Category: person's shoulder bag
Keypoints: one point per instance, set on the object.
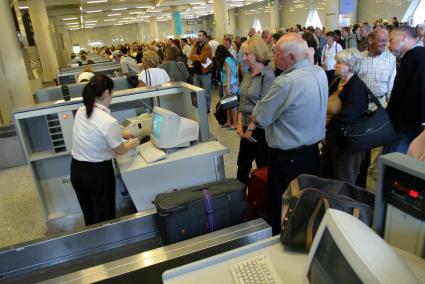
(372, 129)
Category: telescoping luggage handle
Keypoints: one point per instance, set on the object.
(209, 209)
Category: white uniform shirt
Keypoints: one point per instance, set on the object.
(154, 76)
(328, 55)
(95, 137)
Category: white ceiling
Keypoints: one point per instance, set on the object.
(77, 14)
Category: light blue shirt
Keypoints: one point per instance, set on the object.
(234, 76)
(293, 112)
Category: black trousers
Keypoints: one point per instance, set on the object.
(94, 184)
(330, 74)
(284, 166)
(250, 151)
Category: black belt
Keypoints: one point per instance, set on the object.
(107, 162)
(299, 148)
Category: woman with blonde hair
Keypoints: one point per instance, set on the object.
(87, 74)
(254, 86)
(152, 75)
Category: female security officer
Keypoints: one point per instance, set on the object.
(96, 138)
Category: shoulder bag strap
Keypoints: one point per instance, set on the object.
(148, 78)
(373, 98)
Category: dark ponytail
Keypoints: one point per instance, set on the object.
(95, 88)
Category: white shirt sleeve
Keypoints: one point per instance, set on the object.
(113, 135)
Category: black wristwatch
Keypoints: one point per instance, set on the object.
(250, 129)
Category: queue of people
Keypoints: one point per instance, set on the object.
(293, 109)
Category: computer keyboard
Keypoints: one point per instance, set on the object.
(150, 153)
(256, 270)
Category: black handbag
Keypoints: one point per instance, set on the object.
(228, 102)
(220, 114)
(305, 202)
(372, 129)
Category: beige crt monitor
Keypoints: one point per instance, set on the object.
(345, 250)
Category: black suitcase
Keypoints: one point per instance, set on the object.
(194, 211)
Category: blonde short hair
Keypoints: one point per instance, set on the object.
(257, 46)
(151, 58)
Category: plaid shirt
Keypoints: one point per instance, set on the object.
(378, 72)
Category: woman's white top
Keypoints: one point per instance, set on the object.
(154, 76)
(95, 137)
(328, 55)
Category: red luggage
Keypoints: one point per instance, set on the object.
(257, 193)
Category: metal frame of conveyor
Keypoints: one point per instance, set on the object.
(46, 252)
(149, 265)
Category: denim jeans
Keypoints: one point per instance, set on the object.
(401, 144)
(204, 81)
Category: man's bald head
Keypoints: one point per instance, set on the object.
(290, 49)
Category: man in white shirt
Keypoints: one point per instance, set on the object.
(186, 49)
(328, 56)
(378, 71)
(213, 43)
(378, 66)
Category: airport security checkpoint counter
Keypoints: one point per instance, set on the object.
(45, 131)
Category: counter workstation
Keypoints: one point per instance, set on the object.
(45, 131)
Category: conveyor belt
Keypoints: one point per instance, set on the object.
(125, 261)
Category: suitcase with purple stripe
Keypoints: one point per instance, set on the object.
(198, 210)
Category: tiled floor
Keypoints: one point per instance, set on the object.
(21, 214)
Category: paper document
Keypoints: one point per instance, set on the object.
(207, 63)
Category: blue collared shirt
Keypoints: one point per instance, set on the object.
(293, 112)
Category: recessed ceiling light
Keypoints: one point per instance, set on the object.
(74, 23)
(118, 9)
(94, 11)
(96, 1)
(23, 7)
(109, 20)
(132, 13)
(68, 19)
(87, 22)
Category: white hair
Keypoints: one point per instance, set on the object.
(350, 57)
(294, 44)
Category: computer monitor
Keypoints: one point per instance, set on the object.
(345, 250)
(169, 130)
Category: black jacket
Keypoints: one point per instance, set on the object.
(354, 102)
(407, 102)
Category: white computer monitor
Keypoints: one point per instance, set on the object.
(345, 250)
(169, 130)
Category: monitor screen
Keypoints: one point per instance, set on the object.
(346, 250)
(329, 265)
(169, 130)
(156, 125)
